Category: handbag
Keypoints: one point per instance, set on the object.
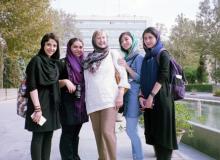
(22, 99)
(118, 78)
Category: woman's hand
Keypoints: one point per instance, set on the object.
(142, 102)
(119, 101)
(122, 62)
(70, 86)
(149, 102)
(36, 116)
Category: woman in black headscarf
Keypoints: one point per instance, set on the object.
(155, 97)
(44, 97)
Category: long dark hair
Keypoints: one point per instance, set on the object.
(46, 38)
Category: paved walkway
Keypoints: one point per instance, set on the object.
(202, 95)
(15, 141)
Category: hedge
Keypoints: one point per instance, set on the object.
(199, 87)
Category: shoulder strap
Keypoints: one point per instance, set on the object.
(133, 60)
(158, 55)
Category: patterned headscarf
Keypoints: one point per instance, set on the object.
(94, 59)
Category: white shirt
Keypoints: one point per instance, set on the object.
(101, 87)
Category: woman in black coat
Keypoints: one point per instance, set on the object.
(73, 108)
(44, 96)
(155, 97)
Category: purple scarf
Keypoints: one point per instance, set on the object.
(75, 74)
(74, 68)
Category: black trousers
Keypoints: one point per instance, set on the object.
(41, 145)
(163, 153)
(69, 142)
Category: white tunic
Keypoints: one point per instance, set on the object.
(101, 87)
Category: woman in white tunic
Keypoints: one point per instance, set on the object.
(103, 95)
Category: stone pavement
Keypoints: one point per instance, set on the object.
(202, 95)
(15, 141)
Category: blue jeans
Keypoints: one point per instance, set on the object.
(132, 132)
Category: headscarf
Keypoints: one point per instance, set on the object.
(48, 74)
(94, 59)
(131, 52)
(150, 65)
(74, 67)
(75, 74)
(48, 70)
(152, 52)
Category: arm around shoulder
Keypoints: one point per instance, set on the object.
(123, 83)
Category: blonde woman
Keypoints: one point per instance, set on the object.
(103, 95)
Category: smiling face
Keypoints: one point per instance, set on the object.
(50, 47)
(149, 40)
(77, 48)
(101, 40)
(126, 42)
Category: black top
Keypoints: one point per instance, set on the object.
(160, 128)
(42, 74)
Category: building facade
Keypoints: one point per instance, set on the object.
(114, 26)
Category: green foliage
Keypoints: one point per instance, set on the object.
(207, 36)
(183, 115)
(202, 75)
(22, 23)
(181, 43)
(192, 42)
(216, 75)
(3, 53)
(190, 73)
(217, 92)
(141, 120)
(199, 87)
(64, 26)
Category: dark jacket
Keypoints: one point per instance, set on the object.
(70, 113)
(159, 122)
(48, 93)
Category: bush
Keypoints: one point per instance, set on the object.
(190, 74)
(217, 92)
(183, 115)
(199, 87)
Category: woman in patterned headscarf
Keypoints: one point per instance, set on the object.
(132, 63)
(103, 95)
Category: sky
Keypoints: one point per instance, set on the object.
(157, 11)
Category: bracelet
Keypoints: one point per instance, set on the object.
(37, 109)
(152, 94)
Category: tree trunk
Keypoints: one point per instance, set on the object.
(3, 50)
